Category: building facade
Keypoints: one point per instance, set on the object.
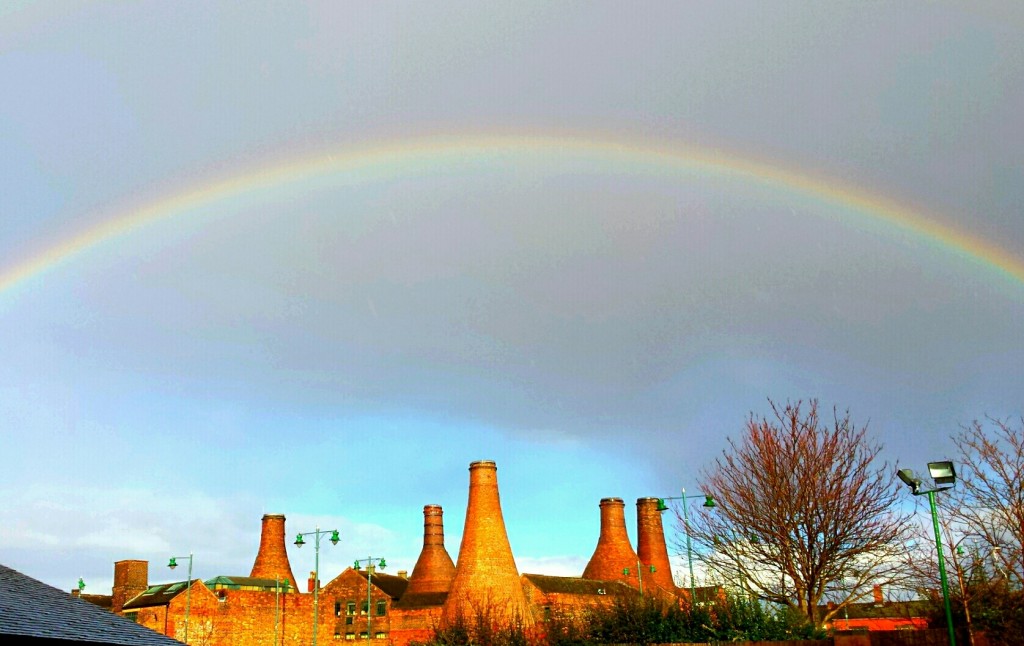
(266, 608)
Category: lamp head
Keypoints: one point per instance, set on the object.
(81, 584)
(661, 504)
(907, 476)
(299, 540)
(942, 472)
(334, 537)
(355, 566)
(383, 564)
(709, 502)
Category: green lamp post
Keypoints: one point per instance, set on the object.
(709, 503)
(942, 473)
(299, 541)
(369, 560)
(173, 563)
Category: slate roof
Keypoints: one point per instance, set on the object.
(576, 585)
(888, 609)
(32, 609)
(391, 585)
(235, 582)
(421, 600)
(104, 601)
(158, 595)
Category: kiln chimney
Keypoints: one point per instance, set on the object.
(614, 553)
(650, 545)
(434, 569)
(272, 559)
(131, 578)
(486, 578)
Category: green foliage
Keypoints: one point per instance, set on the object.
(996, 611)
(480, 629)
(639, 620)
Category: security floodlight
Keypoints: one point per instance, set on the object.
(907, 476)
(942, 472)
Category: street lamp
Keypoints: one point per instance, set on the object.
(317, 533)
(942, 473)
(173, 563)
(709, 503)
(369, 560)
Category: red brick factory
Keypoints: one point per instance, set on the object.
(268, 608)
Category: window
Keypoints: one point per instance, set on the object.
(350, 636)
(337, 608)
(350, 608)
(348, 621)
(382, 607)
(366, 607)
(362, 635)
(132, 616)
(380, 636)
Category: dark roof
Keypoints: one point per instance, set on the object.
(888, 609)
(248, 581)
(576, 585)
(101, 600)
(157, 595)
(421, 600)
(391, 585)
(32, 609)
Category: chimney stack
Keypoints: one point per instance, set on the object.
(434, 569)
(614, 553)
(650, 545)
(486, 578)
(272, 558)
(131, 578)
(311, 581)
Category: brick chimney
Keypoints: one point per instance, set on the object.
(310, 581)
(650, 545)
(434, 569)
(876, 593)
(272, 558)
(614, 551)
(131, 578)
(486, 578)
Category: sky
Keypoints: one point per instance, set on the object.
(317, 258)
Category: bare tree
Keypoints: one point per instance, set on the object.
(990, 504)
(806, 512)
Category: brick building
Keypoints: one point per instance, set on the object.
(266, 608)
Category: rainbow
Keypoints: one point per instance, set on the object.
(411, 155)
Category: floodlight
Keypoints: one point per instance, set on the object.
(907, 476)
(942, 472)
